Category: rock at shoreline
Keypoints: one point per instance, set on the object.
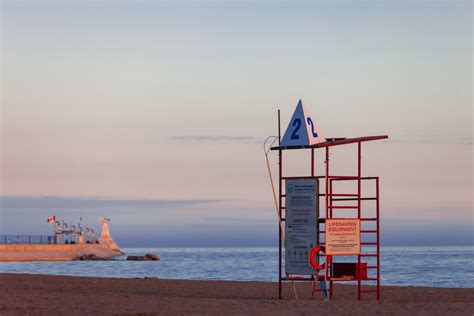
(89, 257)
(147, 257)
(153, 256)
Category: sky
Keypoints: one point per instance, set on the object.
(154, 114)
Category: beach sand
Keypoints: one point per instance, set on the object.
(47, 295)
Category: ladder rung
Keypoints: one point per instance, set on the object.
(371, 267)
(343, 177)
(344, 206)
(368, 255)
(368, 231)
(369, 219)
(368, 243)
(369, 178)
(355, 199)
(342, 194)
(369, 279)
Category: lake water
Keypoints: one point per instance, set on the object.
(416, 266)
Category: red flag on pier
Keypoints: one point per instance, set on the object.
(51, 219)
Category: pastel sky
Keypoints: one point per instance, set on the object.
(154, 113)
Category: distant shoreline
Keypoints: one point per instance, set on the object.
(37, 294)
(215, 280)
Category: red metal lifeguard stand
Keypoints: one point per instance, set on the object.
(336, 207)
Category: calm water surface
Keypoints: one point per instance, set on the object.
(418, 266)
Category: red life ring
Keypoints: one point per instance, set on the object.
(312, 260)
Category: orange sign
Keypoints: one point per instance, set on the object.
(342, 236)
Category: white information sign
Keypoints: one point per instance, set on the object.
(300, 225)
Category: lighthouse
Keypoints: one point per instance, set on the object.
(105, 237)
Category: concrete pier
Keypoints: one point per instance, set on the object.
(54, 252)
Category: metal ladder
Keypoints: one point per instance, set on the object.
(369, 249)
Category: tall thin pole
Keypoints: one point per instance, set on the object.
(378, 239)
(327, 216)
(317, 202)
(359, 172)
(327, 182)
(279, 206)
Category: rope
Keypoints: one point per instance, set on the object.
(266, 151)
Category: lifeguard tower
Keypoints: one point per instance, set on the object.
(339, 242)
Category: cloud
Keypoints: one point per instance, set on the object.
(27, 214)
(218, 138)
(85, 203)
(428, 232)
(235, 220)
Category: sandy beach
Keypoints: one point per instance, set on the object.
(46, 295)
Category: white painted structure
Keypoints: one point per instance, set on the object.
(105, 237)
